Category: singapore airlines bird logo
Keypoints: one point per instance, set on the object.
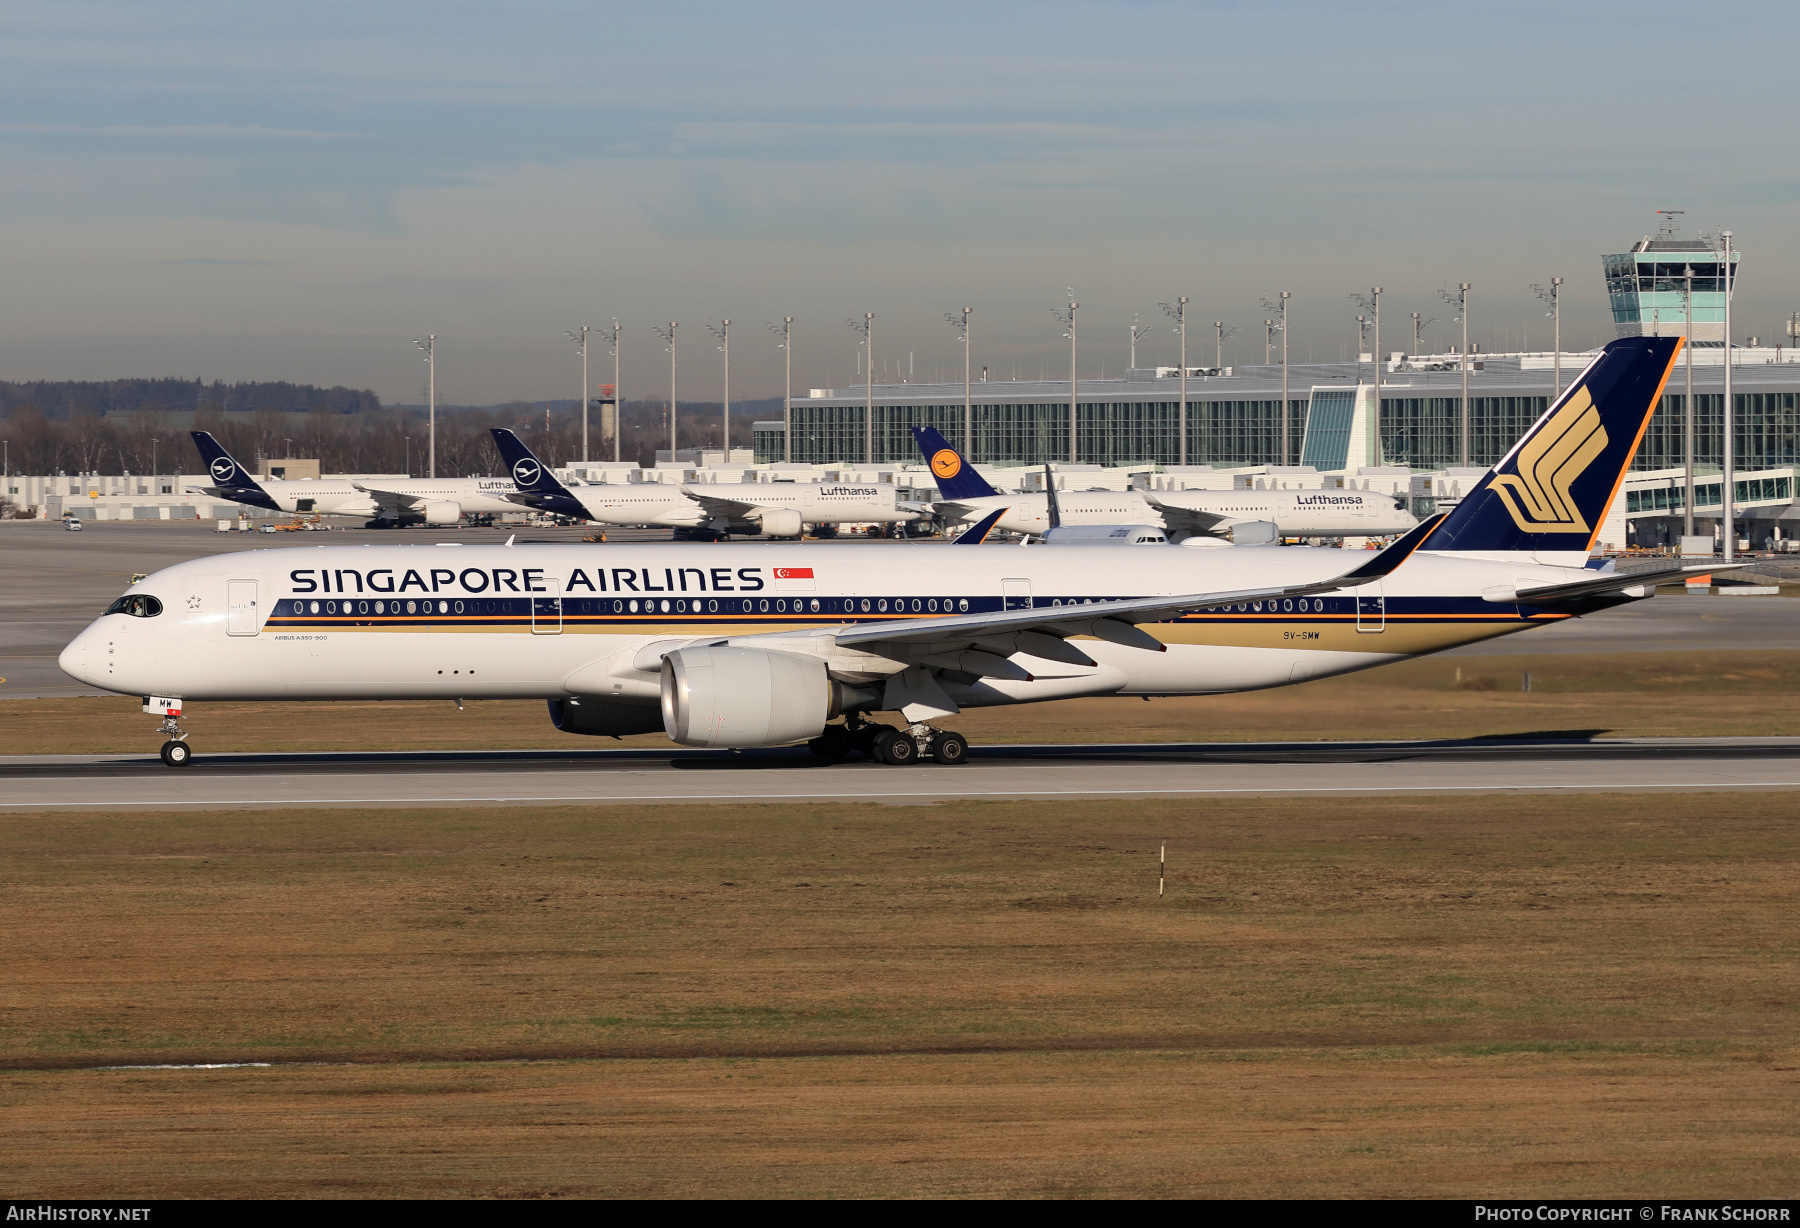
(946, 464)
(1538, 496)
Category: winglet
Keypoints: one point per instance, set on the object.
(1050, 494)
(1391, 558)
(978, 532)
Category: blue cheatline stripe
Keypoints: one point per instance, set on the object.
(311, 613)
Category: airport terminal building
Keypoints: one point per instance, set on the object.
(1329, 423)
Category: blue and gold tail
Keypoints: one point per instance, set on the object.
(1551, 492)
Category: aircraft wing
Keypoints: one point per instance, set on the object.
(1187, 520)
(1108, 620)
(1600, 586)
(718, 505)
(390, 500)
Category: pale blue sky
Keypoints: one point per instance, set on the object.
(228, 191)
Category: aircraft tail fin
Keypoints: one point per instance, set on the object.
(956, 478)
(230, 479)
(1552, 491)
(537, 485)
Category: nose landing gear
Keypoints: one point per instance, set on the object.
(175, 752)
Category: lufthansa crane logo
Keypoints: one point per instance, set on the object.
(526, 472)
(1538, 495)
(946, 464)
(222, 469)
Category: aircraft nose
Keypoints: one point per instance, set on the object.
(73, 660)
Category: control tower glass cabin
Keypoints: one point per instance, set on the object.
(1647, 288)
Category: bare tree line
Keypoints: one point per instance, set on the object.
(383, 440)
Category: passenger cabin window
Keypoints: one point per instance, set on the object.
(138, 605)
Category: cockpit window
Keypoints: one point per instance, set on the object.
(138, 605)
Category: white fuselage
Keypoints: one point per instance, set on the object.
(1295, 513)
(341, 496)
(552, 621)
(816, 503)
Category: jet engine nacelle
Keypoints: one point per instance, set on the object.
(597, 717)
(443, 511)
(779, 522)
(721, 696)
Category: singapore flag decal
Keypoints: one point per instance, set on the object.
(793, 579)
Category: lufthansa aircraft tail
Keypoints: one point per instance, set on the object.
(538, 487)
(230, 479)
(1549, 495)
(956, 477)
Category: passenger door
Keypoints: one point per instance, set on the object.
(1015, 594)
(546, 609)
(241, 616)
(1371, 608)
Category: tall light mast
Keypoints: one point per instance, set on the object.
(668, 335)
(1221, 332)
(1551, 297)
(1687, 407)
(581, 339)
(723, 333)
(1178, 313)
(1460, 301)
(1137, 330)
(618, 417)
(1728, 519)
(785, 330)
(961, 324)
(1281, 305)
(428, 343)
(1066, 315)
(866, 326)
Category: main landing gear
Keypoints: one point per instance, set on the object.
(885, 744)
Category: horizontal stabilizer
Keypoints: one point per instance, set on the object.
(1613, 582)
(978, 532)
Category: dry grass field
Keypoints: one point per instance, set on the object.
(1677, 694)
(1481, 996)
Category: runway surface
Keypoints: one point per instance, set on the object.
(1159, 770)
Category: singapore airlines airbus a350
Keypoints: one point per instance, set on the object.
(766, 644)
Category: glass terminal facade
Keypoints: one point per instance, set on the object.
(1234, 417)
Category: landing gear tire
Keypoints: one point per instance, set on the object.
(177, 754)
(949, 749)
(896, 749)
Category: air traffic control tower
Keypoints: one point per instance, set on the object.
(1648, 286)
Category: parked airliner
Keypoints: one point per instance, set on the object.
(394, 501)
(760, 509)
(967, 496)
(764, 644)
